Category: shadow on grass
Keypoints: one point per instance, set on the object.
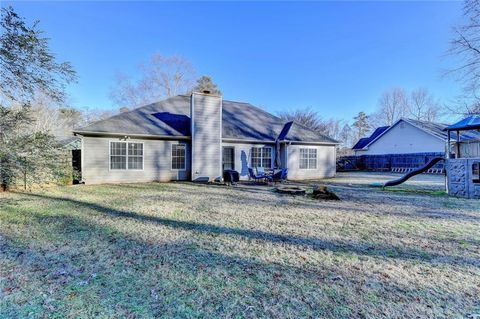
(240, 195)
(91, 270)
(115, 274)
(365, 249)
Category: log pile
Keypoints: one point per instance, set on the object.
(322, 192)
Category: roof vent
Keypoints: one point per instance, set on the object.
(206, 91)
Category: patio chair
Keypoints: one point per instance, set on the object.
(260, 170)
(257, 177)
(280, 176)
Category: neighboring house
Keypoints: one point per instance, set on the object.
(195, 138)
(407, 136)
(363, 142)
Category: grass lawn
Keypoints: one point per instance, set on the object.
(183, 250)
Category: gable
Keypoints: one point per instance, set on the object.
(363, 142)
(403, 137)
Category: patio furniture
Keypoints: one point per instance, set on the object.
(257, 177)
(260, 170)
(279, 176)
(231, 176)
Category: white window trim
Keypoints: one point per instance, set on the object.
(171, 158)
(300, 159)
(126, 167)
(261, 157)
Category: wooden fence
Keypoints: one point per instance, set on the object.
(389, 162)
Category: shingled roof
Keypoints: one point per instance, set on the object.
(434, 129)
(438, 130)
(171, 118)
(363, 142)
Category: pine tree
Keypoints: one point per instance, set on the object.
(205, 83)
(27, 66)
(361, 125)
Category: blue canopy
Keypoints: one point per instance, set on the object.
(470, 123)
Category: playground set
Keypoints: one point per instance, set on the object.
(462, 171)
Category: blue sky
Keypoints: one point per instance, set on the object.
(335, 57)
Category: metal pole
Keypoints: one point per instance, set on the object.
(458, 144)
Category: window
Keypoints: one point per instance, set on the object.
(308, 158)
(125, 155)
(262, 157)
(476, 172)
(135, 156)
(178, 156)
(228, 161)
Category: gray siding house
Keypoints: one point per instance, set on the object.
(196, 137)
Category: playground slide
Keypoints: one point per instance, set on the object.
(413, 173)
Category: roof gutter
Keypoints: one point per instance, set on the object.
(236, 140)
(311, 143)
(170, 137)
(424, 130)
(151, 136)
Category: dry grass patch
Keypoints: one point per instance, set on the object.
(183, 250)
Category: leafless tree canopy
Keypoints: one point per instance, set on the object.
(161, 77)
(392, 106)
(311, 119)
(396, 103)
(423, 106)
(465, 46)
(306, 117)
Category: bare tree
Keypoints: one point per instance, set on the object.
(306, 117)
(311, 119)
(346, 136)
(333, 128)
(422, 106)
(396, 103)
(465, 46)
(159, 78)
(90, 115)
(392, 105)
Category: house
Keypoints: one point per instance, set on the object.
(407, 136)
(363, 142)
(195, 137)
(404, 146)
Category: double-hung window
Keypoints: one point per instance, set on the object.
(308, 158)
(126, 155)
(262, 157)
(178, 156)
